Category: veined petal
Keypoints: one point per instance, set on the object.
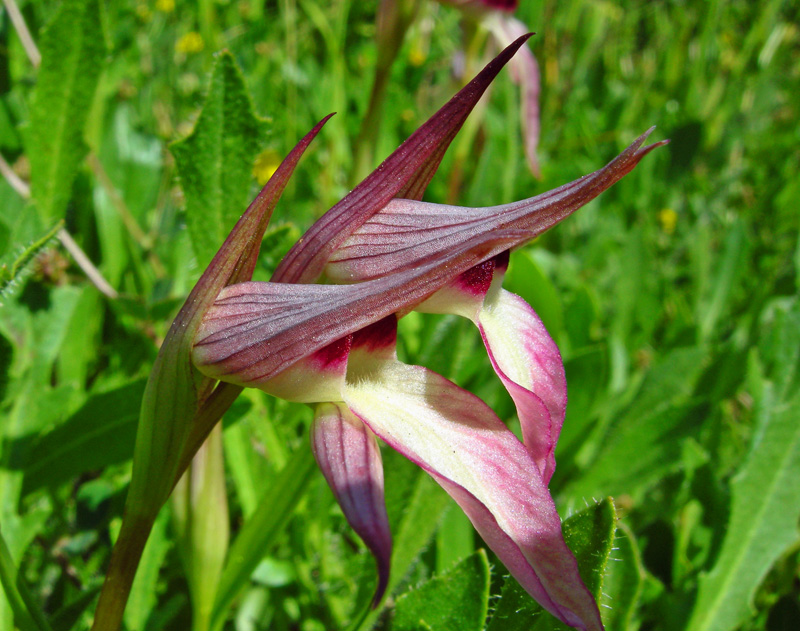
(350, 459)
(456, 438)
(406, 232)
(256, 330)
(405, 173)
(521, 350)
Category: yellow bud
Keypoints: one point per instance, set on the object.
(668, 219)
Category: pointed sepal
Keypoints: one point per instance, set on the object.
(407, 232)
(405, 173)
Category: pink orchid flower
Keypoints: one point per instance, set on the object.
(497, 17)
(333, 346)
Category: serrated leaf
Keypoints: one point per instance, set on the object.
(456, 599)
(73, 55)
(8, 275)
(623, 582)
(590, 536)
(215, 162)
(763, 524)
(100, 433)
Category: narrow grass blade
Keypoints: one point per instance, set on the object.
(27, 615)
(274, 511)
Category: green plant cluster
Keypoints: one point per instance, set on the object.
(673, 298)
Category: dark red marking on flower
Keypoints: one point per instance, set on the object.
(334, 354)
(501, 261)
(503, 5)
(476, 280)
(378, 335)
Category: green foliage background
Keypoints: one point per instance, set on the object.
(673, 297)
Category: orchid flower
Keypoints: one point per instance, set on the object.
(497, 17)
(333, 346)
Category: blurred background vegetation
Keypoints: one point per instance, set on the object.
(673, 296)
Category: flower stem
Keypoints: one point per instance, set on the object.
(121, 571)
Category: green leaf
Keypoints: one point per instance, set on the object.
(144, 592)
(258, 533)
(622, 584)
(100, 433)
(763, 524)
(10, 274)
(457, 599)
(68, 616)
(644, 444)
(73, 55)
(27, 615)
(215, 162)
(590, 536)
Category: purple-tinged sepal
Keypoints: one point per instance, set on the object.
(406, 174)
(350, 459)
(406, 233)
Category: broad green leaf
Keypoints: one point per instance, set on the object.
(73, 55)
(456, 599)
(144, 593)
(763, 523)
(590, 536)
(455, 538)
(100, 433)
(215, 162)
(643, 444)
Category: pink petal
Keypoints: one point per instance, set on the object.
(406, 173)
(350, 459)
(529, 364)
(456, 438)
(407, 232)
(522, 352)
(525, 73)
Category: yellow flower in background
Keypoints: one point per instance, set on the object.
(190, 43)
(668, 219)
(165, 6)
(266, 164)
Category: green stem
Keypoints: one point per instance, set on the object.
(27, 615)
(125, 559)
(274, 511)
